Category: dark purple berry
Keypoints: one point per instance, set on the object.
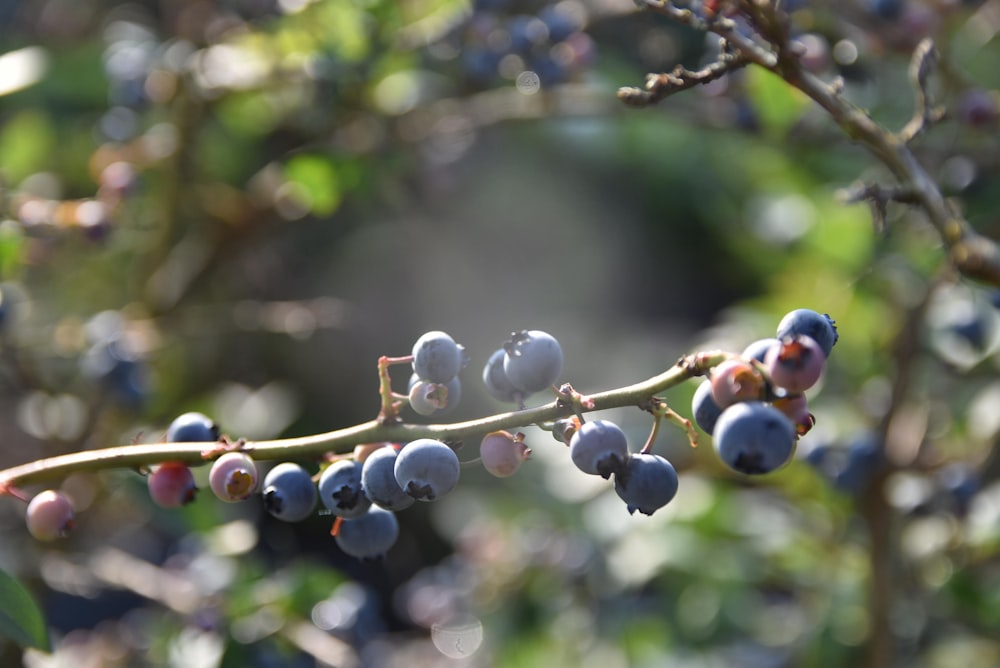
(754, 438)
(599, 448)
(647, 483)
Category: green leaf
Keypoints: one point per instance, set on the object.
(27, 143)
(778, 105)
(316, 181)
(21, 619)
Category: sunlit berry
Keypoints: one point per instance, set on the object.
(50, 515)
(233, 477)
(192, 427)
(754, 438)
(368, 536)
(289, 492)
(378, 481)
(427, 469)
(796, 364)
(736, 380)
(599, 448)
(340, 489)
(503, 453)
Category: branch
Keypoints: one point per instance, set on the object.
(343, 440)
(974, 255)
(659, 86)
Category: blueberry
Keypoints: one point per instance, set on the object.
(378, 480)
(648, 482)
(368, 536)
(819, 327)
(480, 63)
(599, 448)
(496, 381)
(340, 489)
(192, 428)
(754, 438)
(887, 9)
(758, 349)
(289, 492)
(961, 483)
(706, 412)
(533, 361)
(560, 23)
(865, 458)
(434, 398)
(50, 515)
(427, 469)
(525, 31)
(436, 357)
(121, 370)
(974, 330)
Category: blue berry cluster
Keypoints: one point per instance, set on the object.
(753, 405)
(644, 481)
(506, 40)
(363, 491)
(434, 387)
(528, 362)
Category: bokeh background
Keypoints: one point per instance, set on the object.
(237, 206)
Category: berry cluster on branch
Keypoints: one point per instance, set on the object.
(754, 407)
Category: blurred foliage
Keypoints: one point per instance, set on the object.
(237, 206)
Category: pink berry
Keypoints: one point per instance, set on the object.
(796, 364)
(50, 515)
(233, 477)
(171, 485)
(736, 380)
(503, 453)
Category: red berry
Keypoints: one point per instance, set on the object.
(171, 485)
(50, 515)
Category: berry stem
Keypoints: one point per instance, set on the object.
(391, 401)
(653, 433)
(344, 440)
